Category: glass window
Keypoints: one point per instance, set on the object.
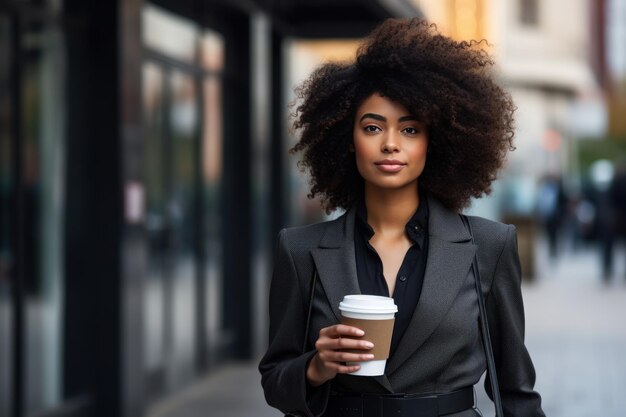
(6, 201)
(171, 152)
(181, 208)
(155, 337)
(212, 179)
(182, 172)
(169, 34)
(43, 132)
(212, 51)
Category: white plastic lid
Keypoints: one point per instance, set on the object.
(368, 304)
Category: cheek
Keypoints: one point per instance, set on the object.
(361, 151)
(419, 151)
(362, 156)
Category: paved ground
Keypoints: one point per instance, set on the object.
(575, 333)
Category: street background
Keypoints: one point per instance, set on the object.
(145, 175)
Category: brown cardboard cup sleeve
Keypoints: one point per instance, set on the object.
(376, 331)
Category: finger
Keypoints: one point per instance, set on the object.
(347, 343)
(345, 330)
(328, 356)
(341, 330)
(337, 366)
(334, 356)
(326, 343)
(347, 369)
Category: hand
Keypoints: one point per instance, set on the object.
(330, 357)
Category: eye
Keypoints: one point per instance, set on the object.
(412, 130)
(371, 129)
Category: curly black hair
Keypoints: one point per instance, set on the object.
(446, 84)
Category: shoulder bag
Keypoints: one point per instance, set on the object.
(484, 328)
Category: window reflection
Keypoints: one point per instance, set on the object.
(169, 34)
(42, 119)
(212, 173)
(182, 90)
(156, 225)
(212, 51)
(181, 205)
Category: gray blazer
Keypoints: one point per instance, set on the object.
(441, 350)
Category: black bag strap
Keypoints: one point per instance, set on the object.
(484, 329)
(308, 315)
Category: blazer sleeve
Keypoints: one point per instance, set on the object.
(283, 368)
(505, 310)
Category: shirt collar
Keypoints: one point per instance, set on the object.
(416, 227)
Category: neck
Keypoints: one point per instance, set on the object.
(388, 211)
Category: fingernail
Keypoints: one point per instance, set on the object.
(368, 345)
(360, 333)
(369, 356)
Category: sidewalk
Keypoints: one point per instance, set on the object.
(234, 391)
(574, 332)
(577, 336)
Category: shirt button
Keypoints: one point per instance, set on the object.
(403, 278)
(416, 228)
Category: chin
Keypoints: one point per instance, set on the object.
(383, 185)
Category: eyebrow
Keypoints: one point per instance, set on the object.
(384, 119)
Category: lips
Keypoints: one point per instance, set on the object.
(390, 165)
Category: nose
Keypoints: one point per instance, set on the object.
(390, 143)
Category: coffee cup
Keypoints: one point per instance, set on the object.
(375, 316)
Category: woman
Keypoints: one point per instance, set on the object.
(401, 139)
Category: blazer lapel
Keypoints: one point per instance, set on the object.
(336, 267)
(450, 255)
(335, 261)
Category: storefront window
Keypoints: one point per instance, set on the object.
(212, 180)
(182, 173)
(184, 117)
(212, 51)
(169, 34)
(155, 337)
(42, 143)
(171, 117)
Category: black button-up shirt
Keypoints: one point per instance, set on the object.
(411, 274)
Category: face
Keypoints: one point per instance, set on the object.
(390, 144)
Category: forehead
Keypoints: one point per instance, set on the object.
(379, 104)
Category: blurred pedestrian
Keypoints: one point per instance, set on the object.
(602, 174)
(617, 202)
(582, 214)
(401, 139)
(551, 205)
